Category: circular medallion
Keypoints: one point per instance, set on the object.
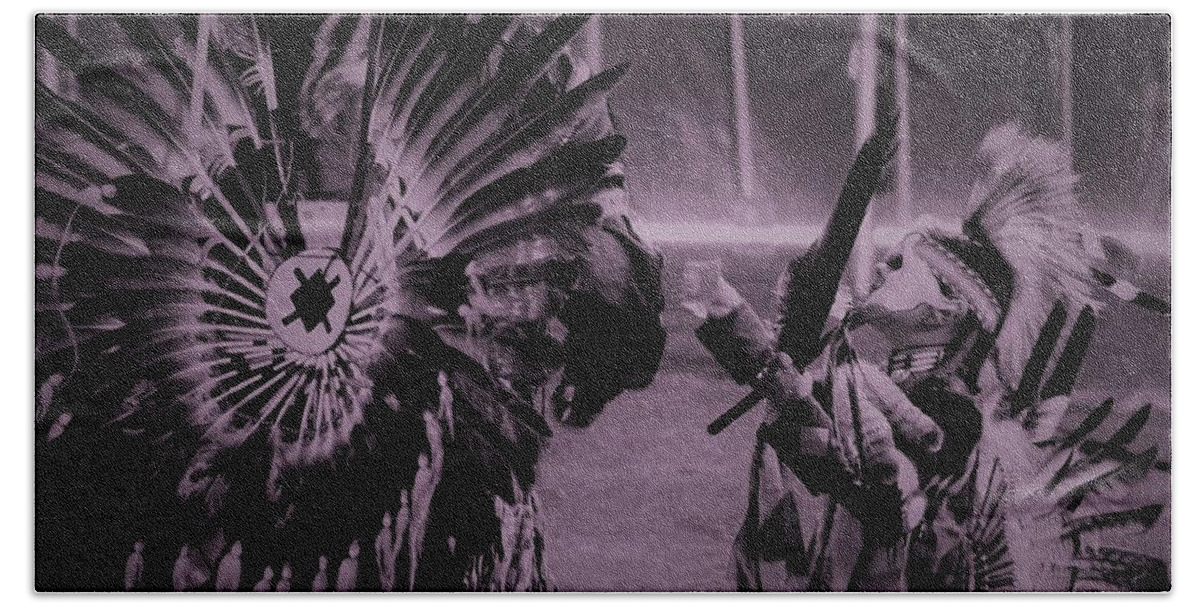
(308, 300)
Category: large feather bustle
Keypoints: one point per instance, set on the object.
(169, 183)
(177, 117)
(467, 147)
(1027, 208)
(450, 120)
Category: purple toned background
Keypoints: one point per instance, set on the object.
(967, 74)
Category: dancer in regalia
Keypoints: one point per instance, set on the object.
(283, 259)
(918, 441)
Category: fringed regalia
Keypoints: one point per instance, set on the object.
(955, 466)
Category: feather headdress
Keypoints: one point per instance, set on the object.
(1026, 261)
(1026, 207)
(1024, 249)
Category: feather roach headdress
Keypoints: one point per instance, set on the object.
(1025, 247)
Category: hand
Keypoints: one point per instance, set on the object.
(879, 455)
(785, 383)
(706, 293)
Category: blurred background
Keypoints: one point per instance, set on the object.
(754, 119)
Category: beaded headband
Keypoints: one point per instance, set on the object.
(977, 271)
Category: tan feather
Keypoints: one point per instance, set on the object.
(1027, 207)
